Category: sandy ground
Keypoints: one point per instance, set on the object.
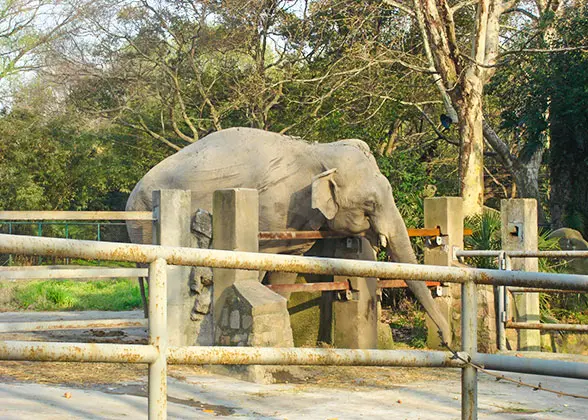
(111, 391)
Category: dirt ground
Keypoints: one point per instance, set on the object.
(106, 390)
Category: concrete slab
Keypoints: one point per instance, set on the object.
(208, 396)
(313, 393)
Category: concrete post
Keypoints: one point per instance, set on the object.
(245, 312)
(171, 214)
(356, 320)
(235, 227)
(446, 213)
(519, 232)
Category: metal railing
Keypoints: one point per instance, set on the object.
(45, 272)
(158, 354)
(503, 301)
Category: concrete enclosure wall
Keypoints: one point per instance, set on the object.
(236, 309)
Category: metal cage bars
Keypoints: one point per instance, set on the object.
(157, 354)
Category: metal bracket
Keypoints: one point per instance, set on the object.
(435, 241)
(439, 291)
(504, 261)
(344, 295)
(354, 244)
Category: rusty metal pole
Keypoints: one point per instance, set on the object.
(469, 344)
(158, 338)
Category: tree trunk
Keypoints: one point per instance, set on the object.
(526, 175)
(568, 163)
(471, 162)
(524, 170)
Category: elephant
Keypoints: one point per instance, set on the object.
(302, 186)
(570, 239)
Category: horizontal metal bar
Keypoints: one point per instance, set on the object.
(301, 235)
(61, 223)
(72, 325)
(522, 254)
(324, 234)
(77, 352)
(308, 356)
(400, 284)
(546, 327)
(339, 286)
(309, 287)
(320, 234)
(66, 273)
(76, 215)
(31, 245)
(531, 365)
(540, 290)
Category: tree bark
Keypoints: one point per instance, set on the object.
(471, 165)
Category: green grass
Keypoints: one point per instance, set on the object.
(60, 295)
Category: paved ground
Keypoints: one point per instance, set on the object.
(209, 396)
(97, 391)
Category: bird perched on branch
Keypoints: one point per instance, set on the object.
(446, 121)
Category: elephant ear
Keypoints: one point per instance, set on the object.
(323, 193)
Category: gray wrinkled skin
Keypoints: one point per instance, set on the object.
(302, 186)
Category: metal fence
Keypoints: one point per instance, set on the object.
(503, 299)
(158, 354)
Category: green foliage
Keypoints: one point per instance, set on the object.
(554, 307)
(485, 235)
(66, 161)
(52, 295)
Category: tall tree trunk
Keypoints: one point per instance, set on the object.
(471, 162)
(569, 163)
(526, 175)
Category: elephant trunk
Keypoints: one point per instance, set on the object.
(399, 249)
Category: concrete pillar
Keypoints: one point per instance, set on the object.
(171, 214)
(446, 213)
(519, 232)
(245, 312)
(235, 227)
(356, 319)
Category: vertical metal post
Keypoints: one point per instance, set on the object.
(40, 233)
(66, 237)
(158, 338)
(98, 238)
(469, 344)
(10, 233)
(503, 264)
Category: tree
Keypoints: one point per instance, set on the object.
(179, 70)
(28, 25)
(448, 31)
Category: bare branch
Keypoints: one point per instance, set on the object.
(400, 6)
(522, 11)
(461, 4)
(583, 48)
(499, 146)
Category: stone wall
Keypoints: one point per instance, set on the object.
(254, 316)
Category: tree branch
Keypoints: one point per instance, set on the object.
(499, 146)
(400, 6)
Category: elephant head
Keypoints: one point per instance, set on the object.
(362, 201)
